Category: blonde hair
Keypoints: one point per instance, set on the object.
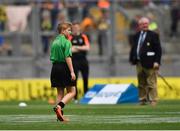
(63, 26)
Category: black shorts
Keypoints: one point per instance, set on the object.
(60, 76)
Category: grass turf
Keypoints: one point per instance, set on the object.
(39, 115)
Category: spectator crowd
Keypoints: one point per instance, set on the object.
(93, 16)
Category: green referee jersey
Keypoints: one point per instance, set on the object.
(60, 49)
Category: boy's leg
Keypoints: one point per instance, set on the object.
(71, 92)
(60, 94)
(59, 105)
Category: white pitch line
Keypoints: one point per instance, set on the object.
(86, 119)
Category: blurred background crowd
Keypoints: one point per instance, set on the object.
(28, 26)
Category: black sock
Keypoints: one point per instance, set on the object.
(61, 104)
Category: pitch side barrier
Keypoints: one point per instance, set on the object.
(39, 89)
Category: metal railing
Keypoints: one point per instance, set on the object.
(37, 65)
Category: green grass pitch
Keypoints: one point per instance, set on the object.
(39, 115)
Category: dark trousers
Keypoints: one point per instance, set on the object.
(81, 65)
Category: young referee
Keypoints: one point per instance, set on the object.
(62, 72)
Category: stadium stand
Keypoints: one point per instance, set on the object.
(29, 61)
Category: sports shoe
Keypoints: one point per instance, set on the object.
(59, 114)
(61, 110)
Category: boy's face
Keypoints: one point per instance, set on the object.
(76, 29)
(67, 32)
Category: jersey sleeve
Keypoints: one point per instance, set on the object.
(86, 40)
(68, 51)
